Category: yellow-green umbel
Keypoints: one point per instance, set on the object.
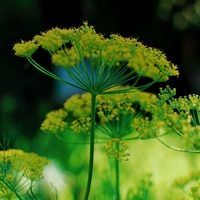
(15, 166)
(112, 61)
(181, 116)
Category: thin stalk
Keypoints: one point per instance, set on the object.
(178, 149)
(11, 187)
(91, 154)
(43, 70)
(117, 179)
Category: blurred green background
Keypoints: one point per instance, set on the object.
(26, 95)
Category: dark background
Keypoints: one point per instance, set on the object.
(26, 94)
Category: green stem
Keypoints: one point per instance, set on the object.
(178, 149)
(11, 187)
(117, 179)
(91, 158)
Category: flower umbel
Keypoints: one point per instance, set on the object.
(112, 61)
(117, 115)
(55, 121)
(117, 149)
(14, 166)
(181, 115)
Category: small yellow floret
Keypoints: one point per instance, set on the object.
(117, 149)
(25, 49)
(54, 121)
(30, 164)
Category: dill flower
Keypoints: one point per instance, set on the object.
(25, 49)
(50, 40)
(149, 127)
(14, 166)
(117, 149)
(81, 125)
(115, 113)
(181, 115)
(22, 161)
(113, 61)
(117, 116)
(33, 167)
(55, 121)
(79, 105)
(124, 114)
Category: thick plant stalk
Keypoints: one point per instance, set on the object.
(91, 154)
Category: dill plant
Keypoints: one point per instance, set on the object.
(113, 61)
(19, 171)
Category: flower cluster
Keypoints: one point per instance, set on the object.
(149, 127)
(14, 162)
(117, 149)
(79, 105)
(110, 59)
(30, 164)
(81, 125)
(165, 95)
(181, 115)
(25, 49)
(55, 121)
(117, 116)
(109, 108)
